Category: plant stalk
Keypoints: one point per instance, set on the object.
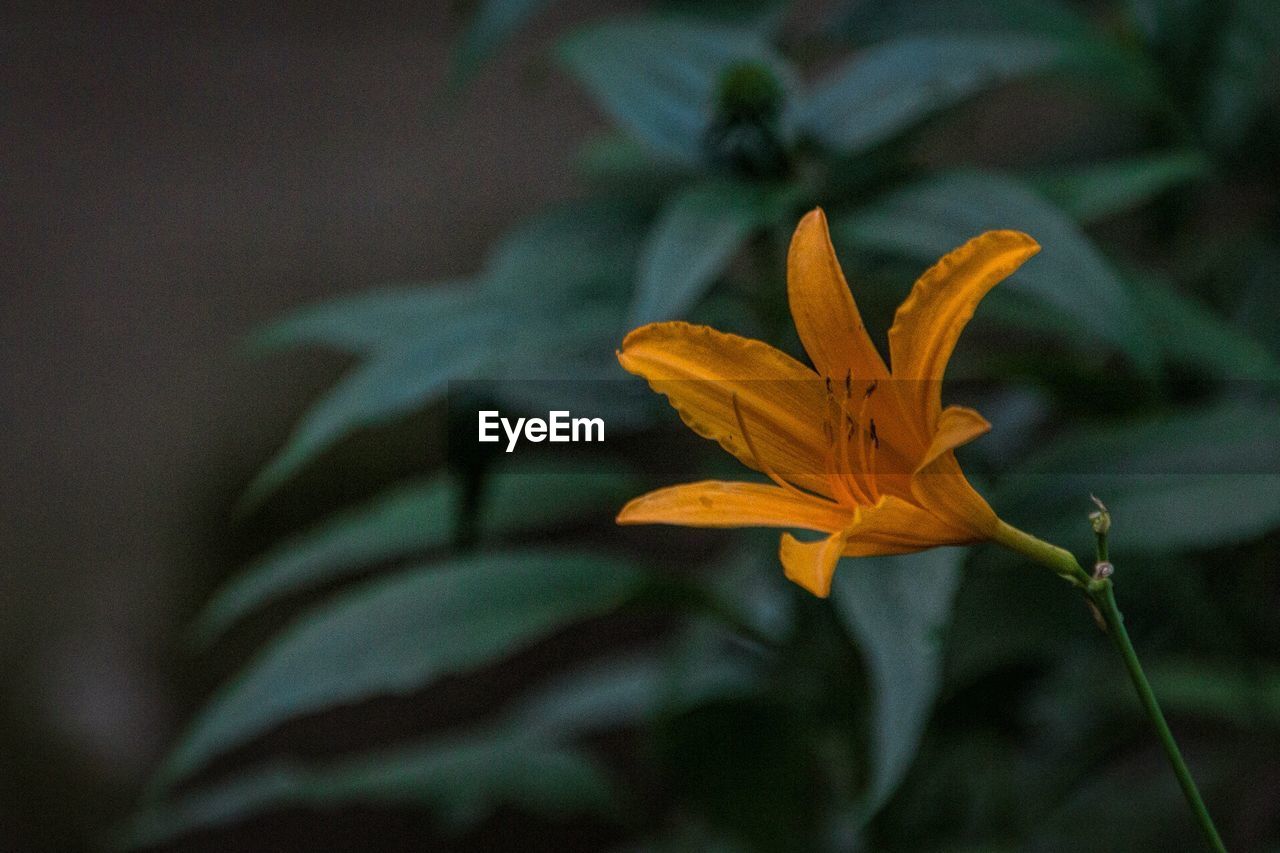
(1101, 595)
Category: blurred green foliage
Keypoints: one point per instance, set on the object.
(954, 700)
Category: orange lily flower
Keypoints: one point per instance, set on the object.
(855, 449)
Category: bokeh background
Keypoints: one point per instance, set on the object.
(177, 179)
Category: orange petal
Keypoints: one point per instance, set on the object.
(811, 564)
(896, 526)
(719, 504)
(929, 322)
(957, 425)
(823, 309)
(701, 370)
(942, 490)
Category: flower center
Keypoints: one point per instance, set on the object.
(852, 442)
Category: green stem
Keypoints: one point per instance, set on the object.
(1103, 596)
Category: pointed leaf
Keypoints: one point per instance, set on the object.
(1069, 277)
(898, 610)
(890, 87)
(1095, 192)
(657, 78)
(408, 520)
(492, 25)
(694, 239)
(461, 780)
(391, 384)
(401, 633)
(362, 323)
(1193, 479)
(1191, 334)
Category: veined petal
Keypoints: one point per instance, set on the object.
(713, 503)
(928, 324)
(957, 425)
(811, 564)
(825, 315)
(897, 526)
(941, 489)
(701, 371)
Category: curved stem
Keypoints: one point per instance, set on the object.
(1103, 596)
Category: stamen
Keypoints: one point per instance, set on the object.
(871, 389)
(849, 483)
(871, 462)
(760, 463)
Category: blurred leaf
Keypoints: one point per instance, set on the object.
(1069, 277)
(898, 609)
(400, 633)
(362, 323)
(579, 249)
(517, 760)
(1092, 193)
(889, 87)
(693, 241)
(1088, 54)
(623, 691)
(408, 520)
(875, 22)
(1238, 70)
(618, 162)
(1191, 334)
(1257, 304)
(657, 78)
(461, 780)
(492, 25)
(1195, 479)
(391, 384)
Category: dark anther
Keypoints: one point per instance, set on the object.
(848, 384)
(875, 439)
(871, 389)
(828, 379)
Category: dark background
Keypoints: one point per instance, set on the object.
(174, 177)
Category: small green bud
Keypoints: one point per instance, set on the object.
(744, 134)
(1100, 518)
(748, 91)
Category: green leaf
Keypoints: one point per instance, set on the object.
(657, 78)
(876, 22)
(693, 241)
(492, 25)
(623, 691)
(1194, 479)
(581, 249)
(1069, 278)
(1243, 77)
(462, 781)
(1092, 193)
(391, 384)
(898, 610)
(363, 323)
(1191, 334)
(409, 520)
(400, 633)
(890, 87)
